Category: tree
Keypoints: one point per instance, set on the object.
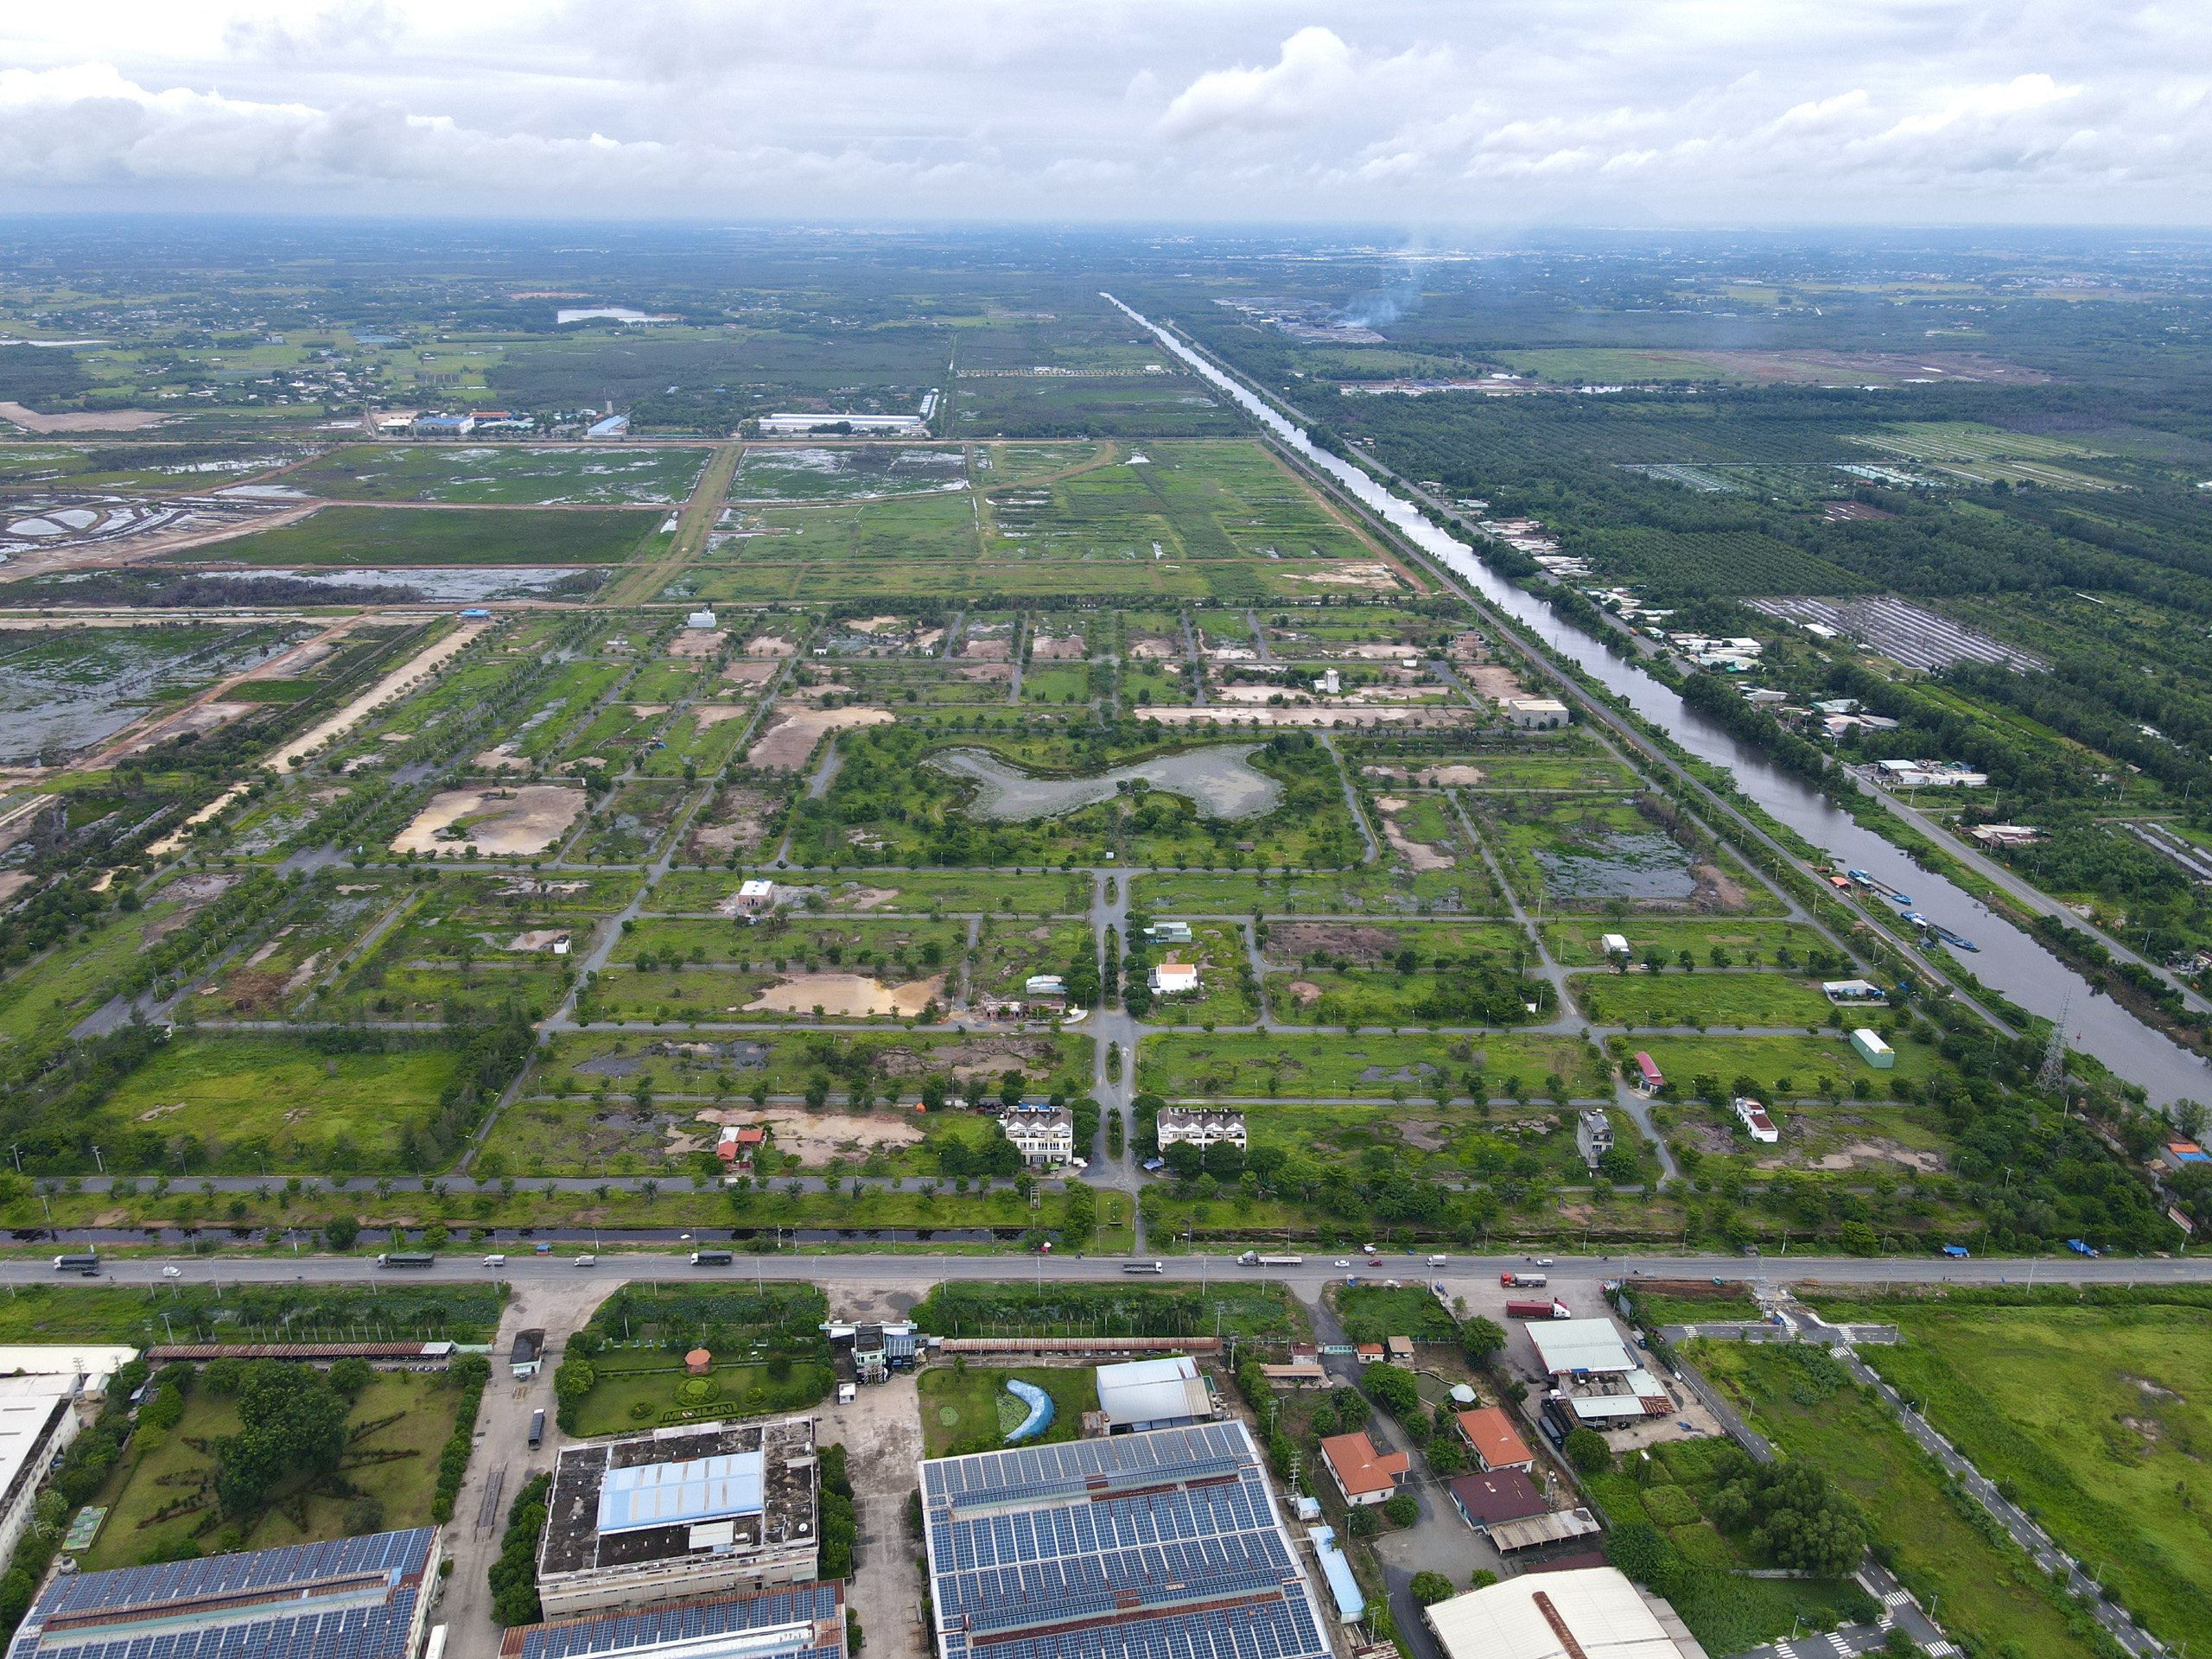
(341, 1230)
(290, 1423)
(350, 1375)
(1401, 1510)
(1393, 1389)
(1429, 1588)
(1479, 1339)
(1586, 1450)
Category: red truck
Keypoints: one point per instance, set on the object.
(1552, 1310)
(1522, 1280)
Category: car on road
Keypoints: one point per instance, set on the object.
(172, 1271)
(586, 1261)
(1543, 1261)
(1374, 1260)
(1344, 1261)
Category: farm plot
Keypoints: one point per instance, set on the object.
(1374, 1066)
(1700, 999)
(441, 952)
(1580, 943)
(856, 472)
(787, 1062)
(404, 536)
(1785, 1068)
(1007, 952)
(503, 475)
(1383, 892)
(891, 892)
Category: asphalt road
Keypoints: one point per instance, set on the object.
(831, 1267)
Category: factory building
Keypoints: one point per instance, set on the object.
(1148, 1393)
(681, 1512)
(1596, 1378)
(1142, 1544)
(808, 1623)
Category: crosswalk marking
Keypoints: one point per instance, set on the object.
(1896, 1598)
(1837, 1642)
(1940, 1650)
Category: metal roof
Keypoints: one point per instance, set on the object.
(780, 1624)
(1568, 1345)
(1154, 1391)
(669, 1494)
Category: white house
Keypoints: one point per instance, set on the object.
(1045, 988)
(755, 897)
(703, 620)
(1199, 1127)
(1042, 1133)
(1328, 685)
(1756, 1122)
(1535, 714)
(1171, 977)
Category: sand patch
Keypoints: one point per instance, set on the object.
(400, 679)
(1861, 1155)
(175, 839)
(503, 759)
(742, 673)
(1347, 939)
(197, 889)
(1304, 993)
(793, 737)
(537, 938)
(1380, 653)
(268, 950)
(84, 419)
(1417, 855)
(302, 973)
(500, 823)
(1332, 715)
(988, 651)
(854, 995)
(647, 710)
(13, 882)
(1390, 803)
(1431, 776)
(739, 821)
(1060, 648)
(816, 1138)
(769, 644)
(711, 715)
(1155, 651)
(986, 673)
(1492, 683)
(698, 642)
(865, 898)
(1376, 577)
(873, 624)
(1716, 889)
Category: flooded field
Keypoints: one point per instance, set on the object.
(1220, 780)
(504, 476)
(1622, 867)
(431, 584)
(858, 473)
(65, 690)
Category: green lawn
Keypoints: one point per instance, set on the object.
(1373, 1065)
(1699, 999)
(641, 1389)
(153, 1476)
(62, 1313)
(1803, 1060)
(897, 892)
(503, 474)
(234, 1096)
(1988, 1592)
(386, 537)
(960, 1404)
(2096, 1417)
(1574, 941)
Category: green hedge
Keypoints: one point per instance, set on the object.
(469, 1374)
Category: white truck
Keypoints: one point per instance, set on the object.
(1255, 1259)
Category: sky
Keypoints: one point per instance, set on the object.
(1466, 116)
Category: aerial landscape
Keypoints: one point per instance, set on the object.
(1462, 923)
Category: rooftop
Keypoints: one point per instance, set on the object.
(1498, 1495)
(1154, 1391)
(1490, 1432)
(1566, 1346)
(1594, 1613)
(808, 1623)
(1359, 1467)
(1139, 1547)
(647, 1497)
(354, 1599)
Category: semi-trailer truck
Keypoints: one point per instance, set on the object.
(1522, 1280)
(1551, 1310)
(407, 1258)
(1255, 1259)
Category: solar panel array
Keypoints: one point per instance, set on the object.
(306, 1627)
(1155, 1545)
(692, 1622)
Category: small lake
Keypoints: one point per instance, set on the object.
(1220, 780)
(1628, 867)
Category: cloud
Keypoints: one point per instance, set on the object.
(1314, 70)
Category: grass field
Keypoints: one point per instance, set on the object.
(961, 1404)
(1707, 999)
(384, 537)
(1575, 944)
(2094, 1419)
(1988, 1592)
(504, 476)
(1804, 1060)
(895, 892)
(1372, 1065)
(233, 1096)
(151, 1477)
(637, 1390)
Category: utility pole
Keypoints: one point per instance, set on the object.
(2052, 1074)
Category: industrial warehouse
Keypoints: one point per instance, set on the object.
(1145, 1544)
(808, 1623)
(681, 1511)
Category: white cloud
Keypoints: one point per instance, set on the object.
(1557, 109)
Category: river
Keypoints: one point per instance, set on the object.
(2008, 960)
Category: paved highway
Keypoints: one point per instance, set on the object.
(614, 1267)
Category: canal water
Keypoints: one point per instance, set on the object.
(2010, 960)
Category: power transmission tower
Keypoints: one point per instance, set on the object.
(2052, 1075)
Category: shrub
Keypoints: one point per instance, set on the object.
(364, 1515)
(1429, 1588)
(469, 1374)
(1586, 1450)
(350, 1375)
(1393, 1389)
(1362, 1522)
(514, 1575)
(840, 1521)
(1401, 1510)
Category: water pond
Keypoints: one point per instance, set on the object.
(1220, 780)
(1623, 867)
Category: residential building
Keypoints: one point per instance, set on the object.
(1159, 1543)
(1594, 1135)
(739, 1146)
(1496, 1495)
(2004, 835)
(1591, 1612)
(1171, 977)
(2185, 1155)
(1045, 988)
(755, 897)
(1615, 946)
(1370, 1353)
(1399, 1350)
(366, 1597)
(1757, 1124)
(1169, 933)
(1490, 1434)
(1849, 993)
(1363, 1475)
(1650, 1080)
(1200, 1126)
(807, 1622)
(1042, 1133)
(683, 1511)
(1148, 1393)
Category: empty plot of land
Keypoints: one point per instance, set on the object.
(785, 745)
(376, 697)
(854, 995)
(1900, 632)
(497, 822)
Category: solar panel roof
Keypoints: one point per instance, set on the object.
(670, 1494)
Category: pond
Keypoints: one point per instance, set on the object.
(1221, 781)
(64, 689)
(1625, 866)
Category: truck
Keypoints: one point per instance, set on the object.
(1956, 1252)
(407, 1258)
(711, 1258)
(1144, 1266)
(1553, 1309)
(1255, 1259)
(537, 1429)
(2080, 1247)
(86, 1263)
(1439, 1261)
(1522, 1280)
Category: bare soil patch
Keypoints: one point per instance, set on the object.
(1304, 993)
(988, 651)
(1062, 648)
(1348, 939)
(738, 822)
(537, 939)
(1378, 578)
(1431, 776)
(769, 644)
(1493, 682)
(1716, 889)
(1153, 650)
(698, 643)
(500, 822)
(83, 420)
(1862, 1154)
(816, 1137)
(711, 715)
(986, 673)
(749, 673)
(793, 738)
(502, 759)
(854, 995)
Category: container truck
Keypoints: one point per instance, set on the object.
(1256, 1258)
(1551, 1310)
